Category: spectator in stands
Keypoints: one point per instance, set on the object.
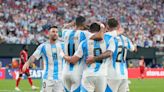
(22, 22)
(0, 64)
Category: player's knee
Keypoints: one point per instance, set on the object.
(20, 75)
(27, 74)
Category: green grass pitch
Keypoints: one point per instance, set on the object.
(146, 85)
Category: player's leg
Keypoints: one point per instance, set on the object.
(66, 82)
(123, 85)
(100, 84)
(18, 80)
(58, 86)
(112, 85)
(47, 86)
(142, 72)
(87, 84)
(30, 79)
(76, 81)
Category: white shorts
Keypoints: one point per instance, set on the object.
(52, 86)
(119, 85)
(71, 82)
(93, 84)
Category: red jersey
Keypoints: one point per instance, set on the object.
(23, 57)
(142, 63)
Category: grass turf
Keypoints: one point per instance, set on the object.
(146, 85)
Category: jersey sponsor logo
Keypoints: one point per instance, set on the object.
(14, 74)
(76, 38)
(155, 73)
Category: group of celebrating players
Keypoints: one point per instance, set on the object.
(89, 59)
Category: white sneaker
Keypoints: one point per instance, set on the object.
(17, 89)
(34, 87)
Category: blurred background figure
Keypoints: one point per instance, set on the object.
(0, 64)
(23, 59)
(142, 67)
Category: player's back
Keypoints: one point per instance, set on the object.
(95, 48)
(122, 44)
(72, 39)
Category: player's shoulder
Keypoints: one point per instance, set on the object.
(43, 44)
(67, 31)
(112, 33)
(124, 37)
(58, 42)
(106, 36)
(84, 42)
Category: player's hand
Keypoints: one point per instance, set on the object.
(25, 66)
(90, 59)
(67, 58)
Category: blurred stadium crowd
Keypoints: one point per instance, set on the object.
(27, 21)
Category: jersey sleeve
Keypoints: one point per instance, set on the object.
(112, 33)
(111, 45)
(38, 52)
(79, 53)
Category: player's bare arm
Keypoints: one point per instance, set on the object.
(100, 34)
(22, 59)
(92, 59)
(71, 59)
(30, 61)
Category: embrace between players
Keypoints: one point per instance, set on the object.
(87, 60)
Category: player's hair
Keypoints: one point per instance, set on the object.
(53, 27)
(25, 47)
(80, 20)
(112, 23)
(94, 27)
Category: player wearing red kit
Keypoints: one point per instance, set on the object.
(23, 59)
(142, 67)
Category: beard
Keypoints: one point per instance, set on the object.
(54, 39)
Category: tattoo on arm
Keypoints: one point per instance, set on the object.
(104, 55)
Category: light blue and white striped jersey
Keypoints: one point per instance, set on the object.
(111, 33)
(52, 59)
(91, 47)
(121, 44)
(72, 40)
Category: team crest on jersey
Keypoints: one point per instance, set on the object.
(75, 38)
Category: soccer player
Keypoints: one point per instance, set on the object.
(94, 75)
(23, 59)
(72, 72)
(142, 67)
(51, 52)
(117, 69)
